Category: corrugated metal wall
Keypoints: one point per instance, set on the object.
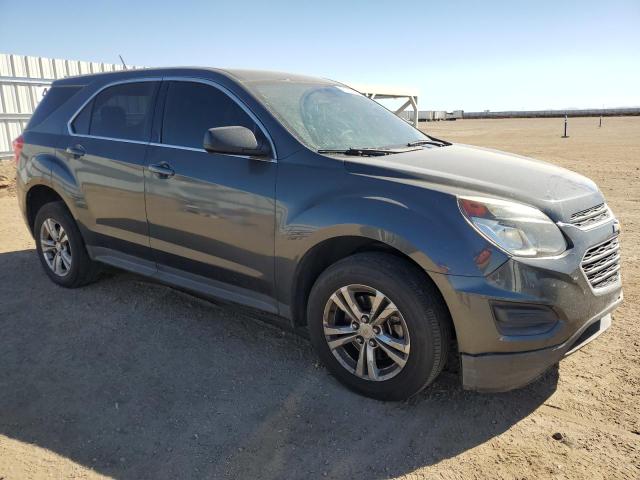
(24, 81)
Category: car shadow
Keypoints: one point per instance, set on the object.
(137, 380)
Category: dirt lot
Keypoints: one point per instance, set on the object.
(130, 379)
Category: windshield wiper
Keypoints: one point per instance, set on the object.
(359, 152)
(432, 141)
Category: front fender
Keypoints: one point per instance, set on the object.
(433, 234)
(437, 238)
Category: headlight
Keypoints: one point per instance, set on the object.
(516, 228)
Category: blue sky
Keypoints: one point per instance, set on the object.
(458, 54)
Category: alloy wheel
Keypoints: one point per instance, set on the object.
(55, 246)
(366, 332)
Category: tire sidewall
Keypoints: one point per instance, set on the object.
(420, 364)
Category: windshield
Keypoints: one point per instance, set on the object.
(329, 116)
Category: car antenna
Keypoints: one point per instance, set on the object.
(122, 60)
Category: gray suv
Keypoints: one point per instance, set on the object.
(300, 197)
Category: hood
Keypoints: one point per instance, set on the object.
(463, 169)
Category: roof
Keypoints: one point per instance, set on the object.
(240, 75)
(247, 76)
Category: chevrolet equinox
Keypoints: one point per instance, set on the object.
(302, 198)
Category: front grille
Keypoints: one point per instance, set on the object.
(590, 216)
(601, 264)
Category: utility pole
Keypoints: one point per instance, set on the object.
(600, 124)
(565, 127)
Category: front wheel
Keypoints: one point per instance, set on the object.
(379, 325)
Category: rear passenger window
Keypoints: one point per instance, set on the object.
(122, 111)
(193, 108)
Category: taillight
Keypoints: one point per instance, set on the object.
(18, 144)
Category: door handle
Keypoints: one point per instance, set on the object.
(163, 170)
(76, 151)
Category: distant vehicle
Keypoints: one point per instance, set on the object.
(302, 198)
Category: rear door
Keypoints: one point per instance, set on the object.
(108, 142)
(211, 219)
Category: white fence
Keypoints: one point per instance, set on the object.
(24, 81)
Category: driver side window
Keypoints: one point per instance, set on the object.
(192, 108)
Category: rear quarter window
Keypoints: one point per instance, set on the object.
(80, 124)
(53, 99)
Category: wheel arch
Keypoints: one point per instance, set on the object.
(38, 196)
(333, 249)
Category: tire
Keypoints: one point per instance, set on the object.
(75, 267)
(420, 327)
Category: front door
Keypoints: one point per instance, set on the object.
(211, 216)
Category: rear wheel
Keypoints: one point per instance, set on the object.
(379, 325)
(60, 247)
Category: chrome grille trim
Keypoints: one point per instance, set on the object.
(591, 216)
(601, 264)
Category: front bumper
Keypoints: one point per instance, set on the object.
(495, 359)
(507, 371)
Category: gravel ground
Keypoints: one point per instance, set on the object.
(126, 378)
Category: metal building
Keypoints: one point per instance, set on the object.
(24, 81)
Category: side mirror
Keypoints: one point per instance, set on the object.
(235, 140)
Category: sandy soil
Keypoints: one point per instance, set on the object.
(130, 379)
